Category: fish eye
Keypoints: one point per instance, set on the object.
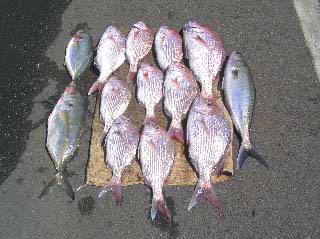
(127, 120)
(157, 127)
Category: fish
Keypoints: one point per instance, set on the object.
(115, 99)
(239, 91)
(79, 54)
(180, 89)
(156, 154)
(65, 125)
(208, 137)
(120, 150)
(110, 56)
(205, 53)
(139, 44)
(168, 47)
(149, 88)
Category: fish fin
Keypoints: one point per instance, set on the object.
(113, 185)
(222, 83)
(149, 119)
(201, 41)
(51, 100)
(58, 180)
(132, 73)
(97, 86)
(130, 77)
(150, 116)
(176, 133)
(244, 152)
(159, 205)
(235, 73)
(102, 138)
(208, 195)
(67, 188)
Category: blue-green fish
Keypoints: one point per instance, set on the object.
(240, 95)
(79, 54)
(65, 125)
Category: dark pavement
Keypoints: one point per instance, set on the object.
(279, 203)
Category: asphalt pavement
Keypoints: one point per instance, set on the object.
(279, 203)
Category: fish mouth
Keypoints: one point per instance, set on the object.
(140, 25)
(71, 89)
(79, 35)
(191, 30)
(135, 27)
(235, 57)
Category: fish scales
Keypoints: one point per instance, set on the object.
(149, 88)
(156, 154)
(115, 99)
(120, 147)
(180, 89)
(168, 47)
(205, 53)
(139, 44)
(208, 136)
(110, 56)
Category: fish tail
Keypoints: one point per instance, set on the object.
(150, 116)
(249, 150)
(176, 132)
(207, 193)
(97, 86)
(59, 180)
(113, 185)
(159, 205)
(132, 73)
(103, 135)
(100, 82)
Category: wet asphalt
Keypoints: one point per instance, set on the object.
(277, 203)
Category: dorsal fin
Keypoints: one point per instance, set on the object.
(235, 73)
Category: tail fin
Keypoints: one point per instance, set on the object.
(101, 81)
(59, 180)
(132, 72)
(161, 206)
(208, 195)
(130, 76)
(150, 119)
(102, 138)
(246, 151)
(97, 86)
(150, 116)
(176, 133)
(114, 186)
(103, 134)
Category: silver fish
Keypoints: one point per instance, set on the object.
(110, 56)
(205, 53)
(208, 136)
(65, 125)
(115, 99)
(139, 44)
(149, 88)
(240, 95)
(78, 54)
(180, 89)
(120, 148)
(157, 155)
(168, 47)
